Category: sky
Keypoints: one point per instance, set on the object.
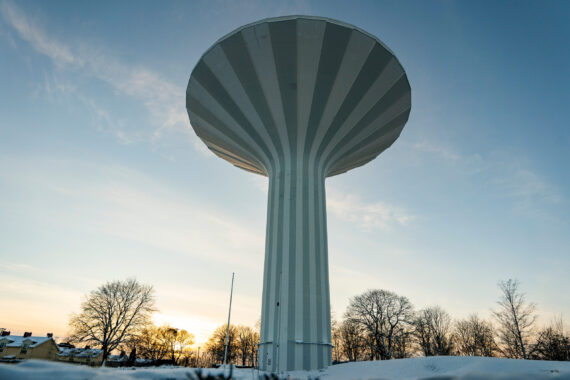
(102, 177)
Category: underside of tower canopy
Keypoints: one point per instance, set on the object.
(298, 86)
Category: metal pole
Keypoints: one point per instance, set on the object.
(229, 315)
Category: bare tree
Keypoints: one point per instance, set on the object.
(216, 344)
(152, 343)
(516, 318)
(350, 340)
(177, 341)
(113, 314)
(432, 329)
(552, 343)
(403, 341)
(164, 343)
(474, 337)
(383, 315)
(336, 341)
(246, 344)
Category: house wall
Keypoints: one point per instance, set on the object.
(64, 358)
(44, 351)
(95, 362)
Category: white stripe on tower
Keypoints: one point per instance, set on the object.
(308, 53)
(283, 253)
(326, 349)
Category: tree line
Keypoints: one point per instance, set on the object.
(382, 325)
(377, 325)
(116, 317)
(242, 346)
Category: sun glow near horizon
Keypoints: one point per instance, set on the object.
(201, 328)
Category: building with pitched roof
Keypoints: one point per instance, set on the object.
(14, 347)
(87, 356)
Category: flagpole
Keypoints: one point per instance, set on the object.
(229, 315)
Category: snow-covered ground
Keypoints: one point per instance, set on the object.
(433, 368)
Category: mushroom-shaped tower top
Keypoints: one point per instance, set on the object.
(298, 87)
(297, 99)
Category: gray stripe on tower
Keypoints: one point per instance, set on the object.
(297, 99)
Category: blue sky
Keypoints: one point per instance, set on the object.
(102, 177)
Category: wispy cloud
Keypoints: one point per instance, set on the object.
(441, 150)
(472, 163)
(125, 203)
(352, 208)
(527, 185)
(531, 193)
(367, 215)
(38, 39)
(510, 174)
(174, 225)
(163, 100)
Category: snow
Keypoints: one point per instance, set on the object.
(79, 352)
(432, 368)
(17, 341)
